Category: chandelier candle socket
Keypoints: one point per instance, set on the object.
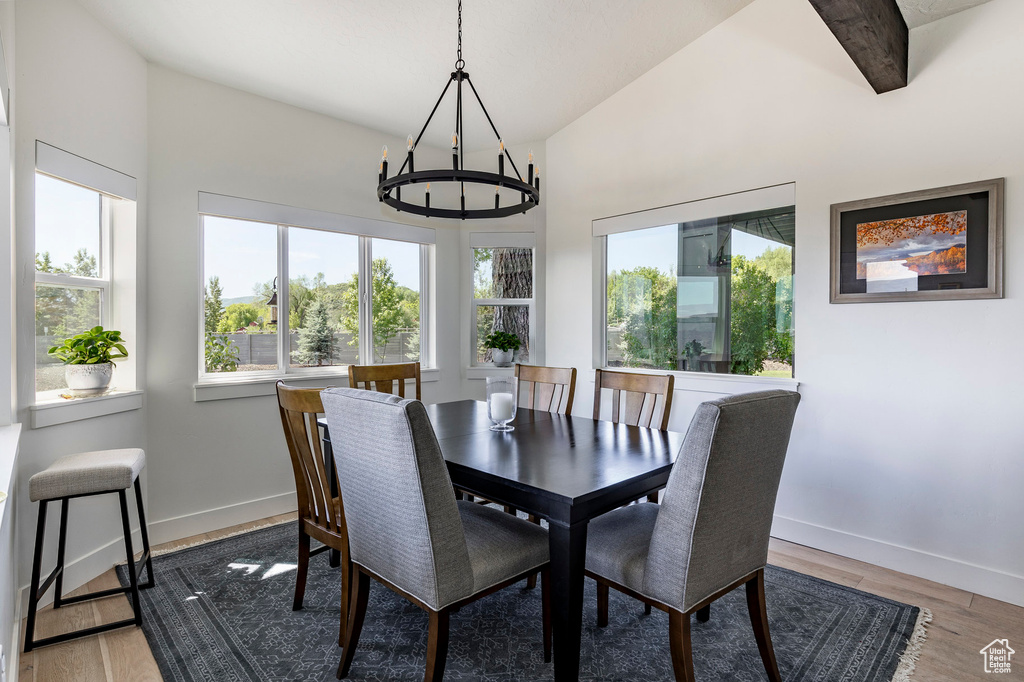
(383, 170)
(529, 172)
(389, 189)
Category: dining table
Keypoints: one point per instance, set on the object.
(564, 469)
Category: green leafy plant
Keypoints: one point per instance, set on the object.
(502, 341)
(693, 347)
(90, 348)
(221, 354)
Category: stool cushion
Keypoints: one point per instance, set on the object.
(87, 472)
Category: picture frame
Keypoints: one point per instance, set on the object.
(931, 245)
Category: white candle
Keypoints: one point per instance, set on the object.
(502, 406)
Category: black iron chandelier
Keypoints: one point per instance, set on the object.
(389, 190)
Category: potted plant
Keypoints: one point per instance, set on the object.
(89, 360)
(503, 346)
(693, 351)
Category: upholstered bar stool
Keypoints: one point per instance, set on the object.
(82, 475)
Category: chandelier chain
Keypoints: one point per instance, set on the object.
(460, 62)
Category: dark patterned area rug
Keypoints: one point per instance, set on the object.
(221, 611)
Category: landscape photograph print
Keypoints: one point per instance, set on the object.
(892, 254)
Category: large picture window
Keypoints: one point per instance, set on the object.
(710, 295)
(283, 298)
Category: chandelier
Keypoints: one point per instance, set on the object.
(389, 189)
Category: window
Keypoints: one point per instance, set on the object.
(705, 295)
(308, 291)
(503, 295)
(74, 272)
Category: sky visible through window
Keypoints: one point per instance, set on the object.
(238, 251)
(67, 219)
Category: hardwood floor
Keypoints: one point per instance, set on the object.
(963, 622)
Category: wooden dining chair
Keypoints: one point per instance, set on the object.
(635, 399)
(710, 534)
(407, 530)
(321, 516)
(550, 389)
(382, 378)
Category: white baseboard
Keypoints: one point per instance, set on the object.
(14, 653)
(187, 525)
(960, 574)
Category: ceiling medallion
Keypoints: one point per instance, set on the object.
(389, 190)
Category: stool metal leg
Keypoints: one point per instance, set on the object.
(146, 556)
(133, 576)
(33, 595)
(62, 543)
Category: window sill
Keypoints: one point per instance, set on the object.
(726, 384)
(484, 371)
(254, 387)
(62, 411)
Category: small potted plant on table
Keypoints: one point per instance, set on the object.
(503, 346)
(89, 360)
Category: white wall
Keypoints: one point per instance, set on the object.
(79, 88)
(906, 450)
(217, 463)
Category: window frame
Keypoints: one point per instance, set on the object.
(501, 240)
(117, 269)
(285, 217)
(775, 196)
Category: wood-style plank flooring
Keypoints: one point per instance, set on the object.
(963, 622)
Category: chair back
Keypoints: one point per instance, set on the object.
(635, 397)
(550, 389)
(300, 408)
(716, 514)
(403, 520)
(382, 378)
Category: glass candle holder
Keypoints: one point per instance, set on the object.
(502, 393)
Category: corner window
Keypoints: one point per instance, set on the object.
(281, 298)
(713, 295)
(503, 297)
(74, 273)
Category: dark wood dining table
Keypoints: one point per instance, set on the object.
(565, 469)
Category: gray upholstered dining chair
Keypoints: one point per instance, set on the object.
(710, 533)
(406, 529)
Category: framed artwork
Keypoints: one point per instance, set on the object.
(932, 245)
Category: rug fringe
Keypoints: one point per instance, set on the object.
(197, 543)
(908, 661)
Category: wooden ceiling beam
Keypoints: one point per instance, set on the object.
(874, 34)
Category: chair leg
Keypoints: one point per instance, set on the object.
(437, 646)
(303, 570)
(647, 609)
(704, 614)
(602, 604)
(62, 543)
(346, 589)
(679, 643)
(357, 612)
(129, 552)
(144, 530)
(531, 582)
(759, 621)
(545, 600)
(652, 497)
(33, 595)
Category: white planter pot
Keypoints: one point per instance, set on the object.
(86, 380)
(502, 358)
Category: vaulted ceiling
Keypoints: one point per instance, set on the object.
(538, 64)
